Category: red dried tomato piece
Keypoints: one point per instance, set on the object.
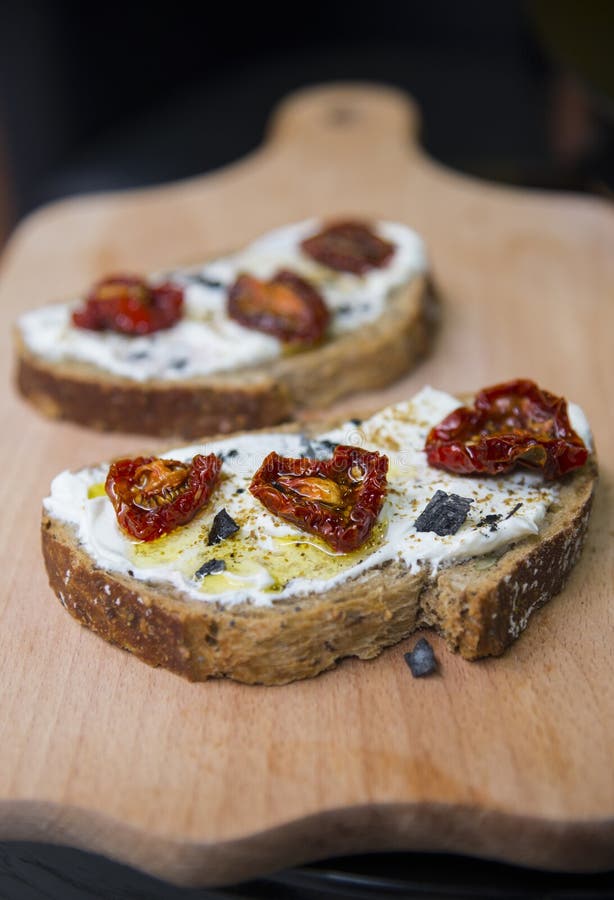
(287, 307)
(510, 423)
(152, 496)
(128, 305)
(349, 247)
(338, 499)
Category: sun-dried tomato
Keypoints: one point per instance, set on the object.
(287, 306)
(128, 305)
(152, 496)
(510, 423)
(338, 499)
(349, 247)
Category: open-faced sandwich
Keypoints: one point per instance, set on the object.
(267, 557)
(240, 342)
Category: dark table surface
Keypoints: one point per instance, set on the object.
(30, 871)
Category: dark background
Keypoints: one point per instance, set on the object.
(99, 96)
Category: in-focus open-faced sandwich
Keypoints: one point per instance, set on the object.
(239, 343)
(267, 557)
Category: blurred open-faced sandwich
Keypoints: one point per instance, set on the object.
(303, 316)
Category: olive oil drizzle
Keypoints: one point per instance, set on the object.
(282, 560)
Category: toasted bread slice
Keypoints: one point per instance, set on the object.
(479, 604)
(247, 396)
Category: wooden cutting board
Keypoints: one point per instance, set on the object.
(510, 758)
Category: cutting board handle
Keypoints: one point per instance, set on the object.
(351, 114)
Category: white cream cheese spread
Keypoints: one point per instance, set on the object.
(205, 340)
(268, 559)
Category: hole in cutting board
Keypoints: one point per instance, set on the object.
(342, 115)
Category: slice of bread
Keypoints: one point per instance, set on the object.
(246, 397)
(479, 604)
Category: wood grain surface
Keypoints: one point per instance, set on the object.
(510, 758)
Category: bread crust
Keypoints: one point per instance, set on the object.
(479, 606)
(248, 398)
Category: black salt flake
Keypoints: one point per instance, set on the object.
(513, 511)
(306, 449)
(223, 527)
(228, 454)
(443, 514)
(211, 567)
(421, 660)
(489, 521)
(316, 449)
(205, 280)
